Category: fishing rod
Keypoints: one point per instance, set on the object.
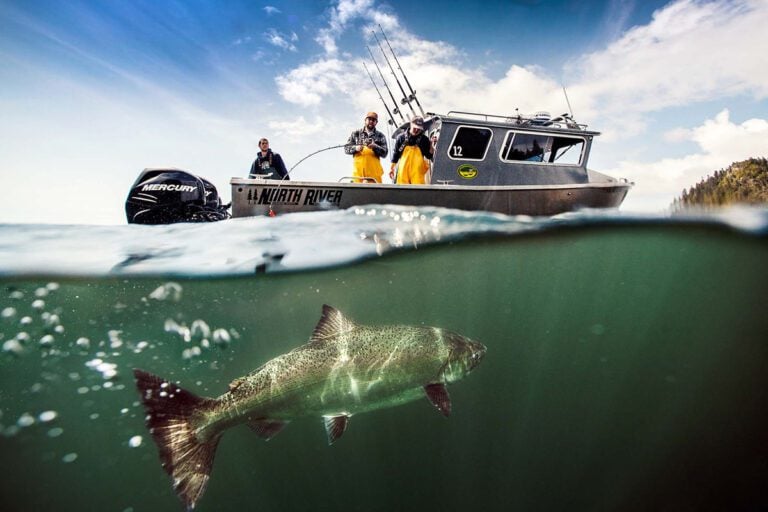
(412, 97)
(397, 110)
(405, 99)
(391, 119)
(280, 183)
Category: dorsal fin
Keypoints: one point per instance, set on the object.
(332, 322)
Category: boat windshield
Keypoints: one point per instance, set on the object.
(541, 147)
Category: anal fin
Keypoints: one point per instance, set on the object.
(266, 428)
(438, 395)
(335, 425)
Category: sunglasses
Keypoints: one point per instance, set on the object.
(264, 143)
(372, 119)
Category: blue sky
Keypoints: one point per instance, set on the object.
(93, 92)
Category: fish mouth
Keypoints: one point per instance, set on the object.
(471, 352)
(476, 353)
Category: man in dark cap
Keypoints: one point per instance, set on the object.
(367, 146)
(411, 151)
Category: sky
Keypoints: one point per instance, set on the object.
(92, 92)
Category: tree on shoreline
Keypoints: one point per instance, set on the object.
(741, 182)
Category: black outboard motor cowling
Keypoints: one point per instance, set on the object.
(166, 196)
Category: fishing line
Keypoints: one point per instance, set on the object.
(271, 211)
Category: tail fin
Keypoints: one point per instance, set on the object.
(172, 415)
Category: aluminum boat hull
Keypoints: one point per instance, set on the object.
(255, 197)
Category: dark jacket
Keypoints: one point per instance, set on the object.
(406, 139)
(359, 138)
(271, 163)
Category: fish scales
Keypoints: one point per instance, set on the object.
(344, 369)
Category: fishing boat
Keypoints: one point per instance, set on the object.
(512, 164)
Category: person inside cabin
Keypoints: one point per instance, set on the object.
(411, 151)
(268, 164)
(367, 146)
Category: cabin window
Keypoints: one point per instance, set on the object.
(470, 143)
(540, 147)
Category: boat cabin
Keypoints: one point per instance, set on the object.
(489, 150)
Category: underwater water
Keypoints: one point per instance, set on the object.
(627, 363)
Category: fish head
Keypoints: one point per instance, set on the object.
(464, 355)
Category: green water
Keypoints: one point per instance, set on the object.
(627, 369)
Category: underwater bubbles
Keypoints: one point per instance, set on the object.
(55, 432)
(13, 346)
(168, 291)
(47, 416)
(70, 457)
(107, 370)
(135, 441)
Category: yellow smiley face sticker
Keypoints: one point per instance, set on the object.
(467, 171)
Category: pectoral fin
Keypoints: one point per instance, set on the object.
(266, 428)
(438, 395)
(335, 426)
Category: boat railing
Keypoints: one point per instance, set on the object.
(539, 119)
(356, 179)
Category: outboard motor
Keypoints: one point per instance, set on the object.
(166, 196)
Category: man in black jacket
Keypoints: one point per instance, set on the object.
(410, 150)
(268, 164)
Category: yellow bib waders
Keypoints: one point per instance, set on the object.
(367, 165)
(411, 167)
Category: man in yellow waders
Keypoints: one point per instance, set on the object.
(410, 151)
(367, 146)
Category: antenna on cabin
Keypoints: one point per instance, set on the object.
(391, 119)
(568, 102)
(396, 110)
(406, 100)
(412, 96)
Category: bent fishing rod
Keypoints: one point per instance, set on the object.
(280, 183)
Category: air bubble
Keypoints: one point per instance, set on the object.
(199, 327)
(13, 346)
(8, 312)
(167, 291)
(25, 420)
(55, 432)
(38, 304)
(70, 457)
(221, 337)
(191, 352)
(135, 441)
(47, 416)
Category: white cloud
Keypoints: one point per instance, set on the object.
(310, 83)
(691, 51)
(280, 40)
(270, 10)
(299, 127)
(241, 40)
(340, 17)
(721, 142)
